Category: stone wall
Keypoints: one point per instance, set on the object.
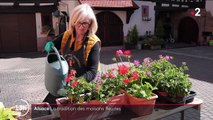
(204, 22)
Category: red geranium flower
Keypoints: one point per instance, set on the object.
(135, 75)
(111, 76)
(74, 84)
(68, 78)
(127, 52)
(123, 69)
(126, 80)
(73, 72)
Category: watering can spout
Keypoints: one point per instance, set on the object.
(56, 70)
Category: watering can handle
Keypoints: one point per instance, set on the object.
(59, 58)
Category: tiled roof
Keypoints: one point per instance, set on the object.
(110, 3)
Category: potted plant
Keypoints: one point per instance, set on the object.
(114, 78)
(153, 42)
(7, 113)
(132, 38)
(79, 93)
(128, 77)
(169, 78)
(110, 91)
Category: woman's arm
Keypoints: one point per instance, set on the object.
(57, 41)
(92, 63)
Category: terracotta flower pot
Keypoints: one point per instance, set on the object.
(118, 100)
(90, 110)
(141, 106)
(114, 106)
(95, 102)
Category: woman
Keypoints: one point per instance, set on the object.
(80, 42)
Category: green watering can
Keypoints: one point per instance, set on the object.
(56, 70)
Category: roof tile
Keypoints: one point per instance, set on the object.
(109, 3)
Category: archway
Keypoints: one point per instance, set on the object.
(110, 29)
(188, 31)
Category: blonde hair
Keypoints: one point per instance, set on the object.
(81, 12)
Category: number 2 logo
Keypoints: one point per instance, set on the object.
(197, 12)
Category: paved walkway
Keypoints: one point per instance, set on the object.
(22, 75)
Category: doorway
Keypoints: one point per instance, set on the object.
(188, 31)
(110, 29)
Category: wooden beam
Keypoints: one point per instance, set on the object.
(29, 1)
(36, 2)
(27, 9)
(190, 3)
(171, 9)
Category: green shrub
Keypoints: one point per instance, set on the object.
(132, 36)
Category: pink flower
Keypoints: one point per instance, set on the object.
(167, 57)
(112, 69)
(160, 56)
(153, 62)
(119, 52)
(136, 62)
(97, 87)
(146, 60)
(148, 73)
(105, 75)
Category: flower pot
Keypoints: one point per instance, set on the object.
(42, 111)
(95, 102)
(90, 110)
(118, 100)
(181, 99)
(162, 95)
(114, 105)
(142, 106)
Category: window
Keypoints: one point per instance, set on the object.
(145, 13)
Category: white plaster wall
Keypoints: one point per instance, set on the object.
(209, 6)
(67, 6)
(38, 24)
(136, 19)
